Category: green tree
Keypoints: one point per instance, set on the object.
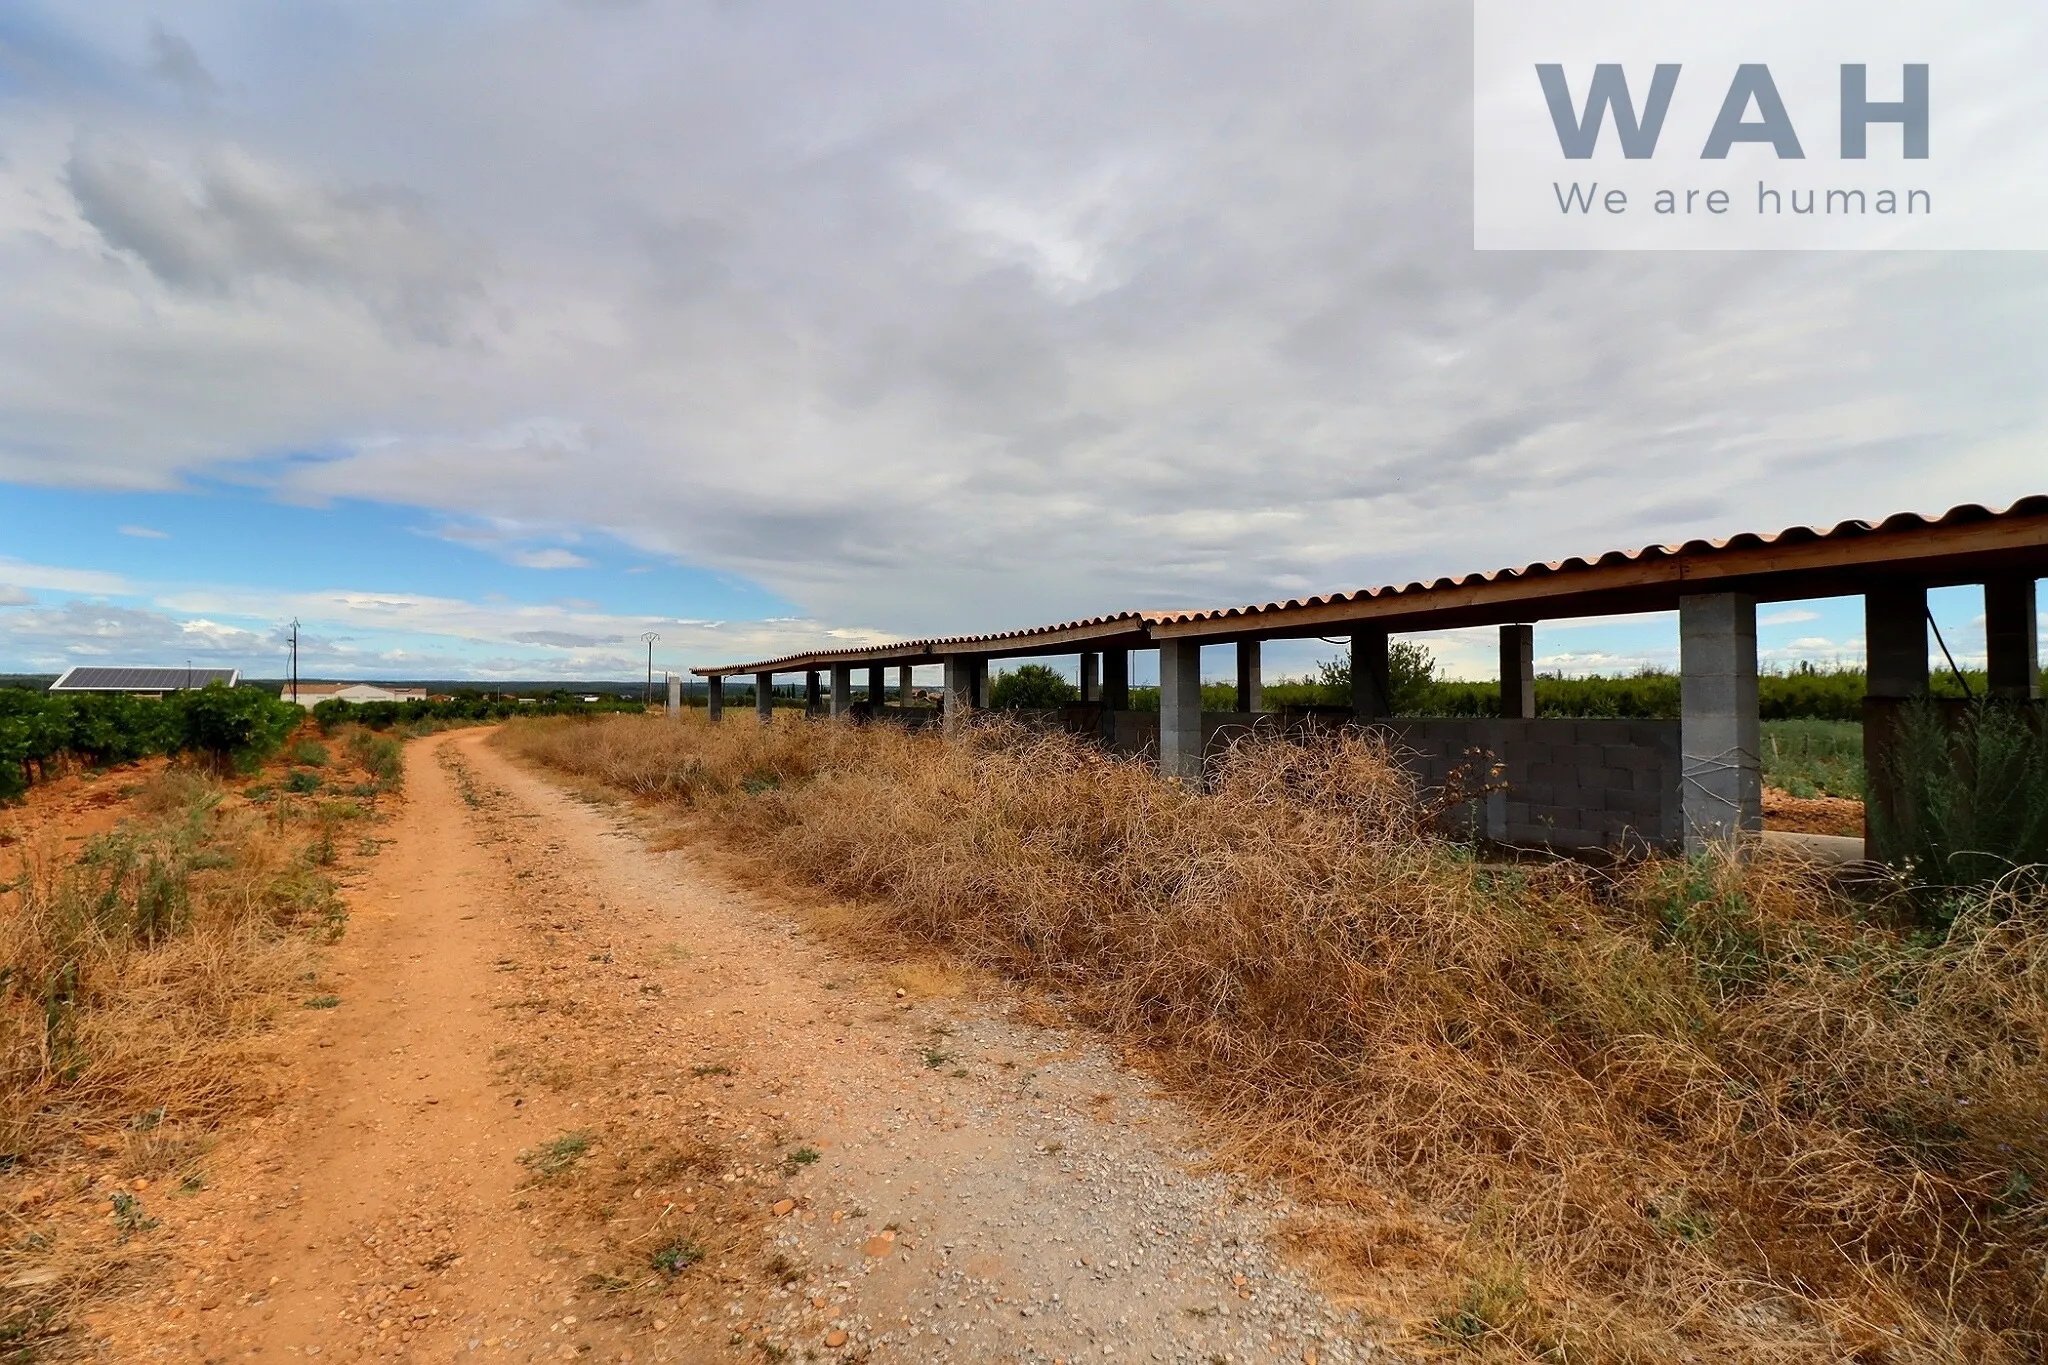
(234, 726)
(1031, 687)
(1411, 672)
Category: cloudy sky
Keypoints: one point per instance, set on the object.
(484, 337)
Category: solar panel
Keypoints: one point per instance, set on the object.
(93, 679)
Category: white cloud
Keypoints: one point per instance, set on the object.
(145, 533)
(86, 581)
(553, 558)
(1579, 663)
(353, 633)
(1791, 616)
(79, 630)
(1048, 310)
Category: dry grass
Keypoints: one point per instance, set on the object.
(139, 973)
(1687, 1112)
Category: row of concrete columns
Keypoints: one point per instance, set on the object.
(1106, 678)
(1719, 724)
(1895, 622)
(840, 697)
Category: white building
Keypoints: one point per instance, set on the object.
(311, 694)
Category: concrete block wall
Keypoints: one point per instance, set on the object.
(1573, 785)
(1570, 784)
(1137, 732)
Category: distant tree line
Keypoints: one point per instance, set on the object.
(1804, 693)
(463, 708)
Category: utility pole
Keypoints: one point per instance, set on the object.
(295, 661)
(650, 637)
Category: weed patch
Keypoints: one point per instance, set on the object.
(379, 757)
(130, 1217)
(676, 1257)
(556, 1158)
(309, 753)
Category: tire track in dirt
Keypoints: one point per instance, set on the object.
(834, 1168)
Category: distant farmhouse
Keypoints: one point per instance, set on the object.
(142, 682)
(312, 694)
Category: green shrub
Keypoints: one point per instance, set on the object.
(380, 756)
(40, 732)
(1809, 693)
(1969, 793)
(113, 727)
(1031, 687)
(235, 727)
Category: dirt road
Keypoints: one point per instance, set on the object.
(583, 1099)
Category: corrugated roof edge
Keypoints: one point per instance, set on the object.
(2035, 505)
(936, 645)
(2032, 506)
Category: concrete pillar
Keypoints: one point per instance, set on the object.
(903, 687)
(764, 697)
(959, 695)
(1091, 677)
(1251, 687)
(1895, 640)
(1116, 691)
(1116, 680)
(978, 676)
(1370, 689)
(714, 698)
(813, 697)
(2012, 639)
(877, 691)
(1518, 672)
(1180, 709)
(1722, 797)
(842, 689)
(1895, 669)
(675, 696)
